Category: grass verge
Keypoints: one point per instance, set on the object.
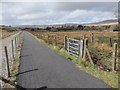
(14, 68)
(111, 78)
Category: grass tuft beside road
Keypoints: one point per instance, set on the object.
(111, 78)
(14, 68)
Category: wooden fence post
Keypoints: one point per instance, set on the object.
(110, 42)
(86, 42)
(65, 42)
(7, 60)
(89, 56)
(91, 37)
(67, 45)
(81, 42)
(84, 48)
(55, 40)
(18, 41)
(41, 36)
(15, 43)
(48, 39)
(114, 58)
(12, 49)
(52, 40)
(18, 38)
(83, 37)
(86, 51)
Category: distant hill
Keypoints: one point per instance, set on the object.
(108, 21)
(105, 22)
(101, 23)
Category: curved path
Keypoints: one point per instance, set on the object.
(40, 66)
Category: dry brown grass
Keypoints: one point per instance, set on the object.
(102, 24)
(4, 34)
(60, 36)
(102, 46)
(79, 33)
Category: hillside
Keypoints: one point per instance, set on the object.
(105, 22)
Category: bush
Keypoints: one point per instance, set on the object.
(117, 28)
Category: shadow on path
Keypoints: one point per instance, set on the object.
(26, 71)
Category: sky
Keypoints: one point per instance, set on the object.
(46, 12)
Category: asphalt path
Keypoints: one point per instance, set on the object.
(40, 66)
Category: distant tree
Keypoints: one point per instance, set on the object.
(117, 28)
(48, 28)
(32, 29)
(80, 27)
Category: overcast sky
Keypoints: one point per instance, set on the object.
(40, 13)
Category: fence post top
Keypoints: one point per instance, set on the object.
(86, 39)
(115, 43)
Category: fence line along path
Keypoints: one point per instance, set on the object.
(42, 67)
(7, 42)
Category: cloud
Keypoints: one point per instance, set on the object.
(101, 6)
(88, 16)
(60, 0)
(16, 13)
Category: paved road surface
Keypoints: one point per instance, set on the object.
(40, 66)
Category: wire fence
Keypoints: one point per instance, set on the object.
(9, 47)
(100, 47)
